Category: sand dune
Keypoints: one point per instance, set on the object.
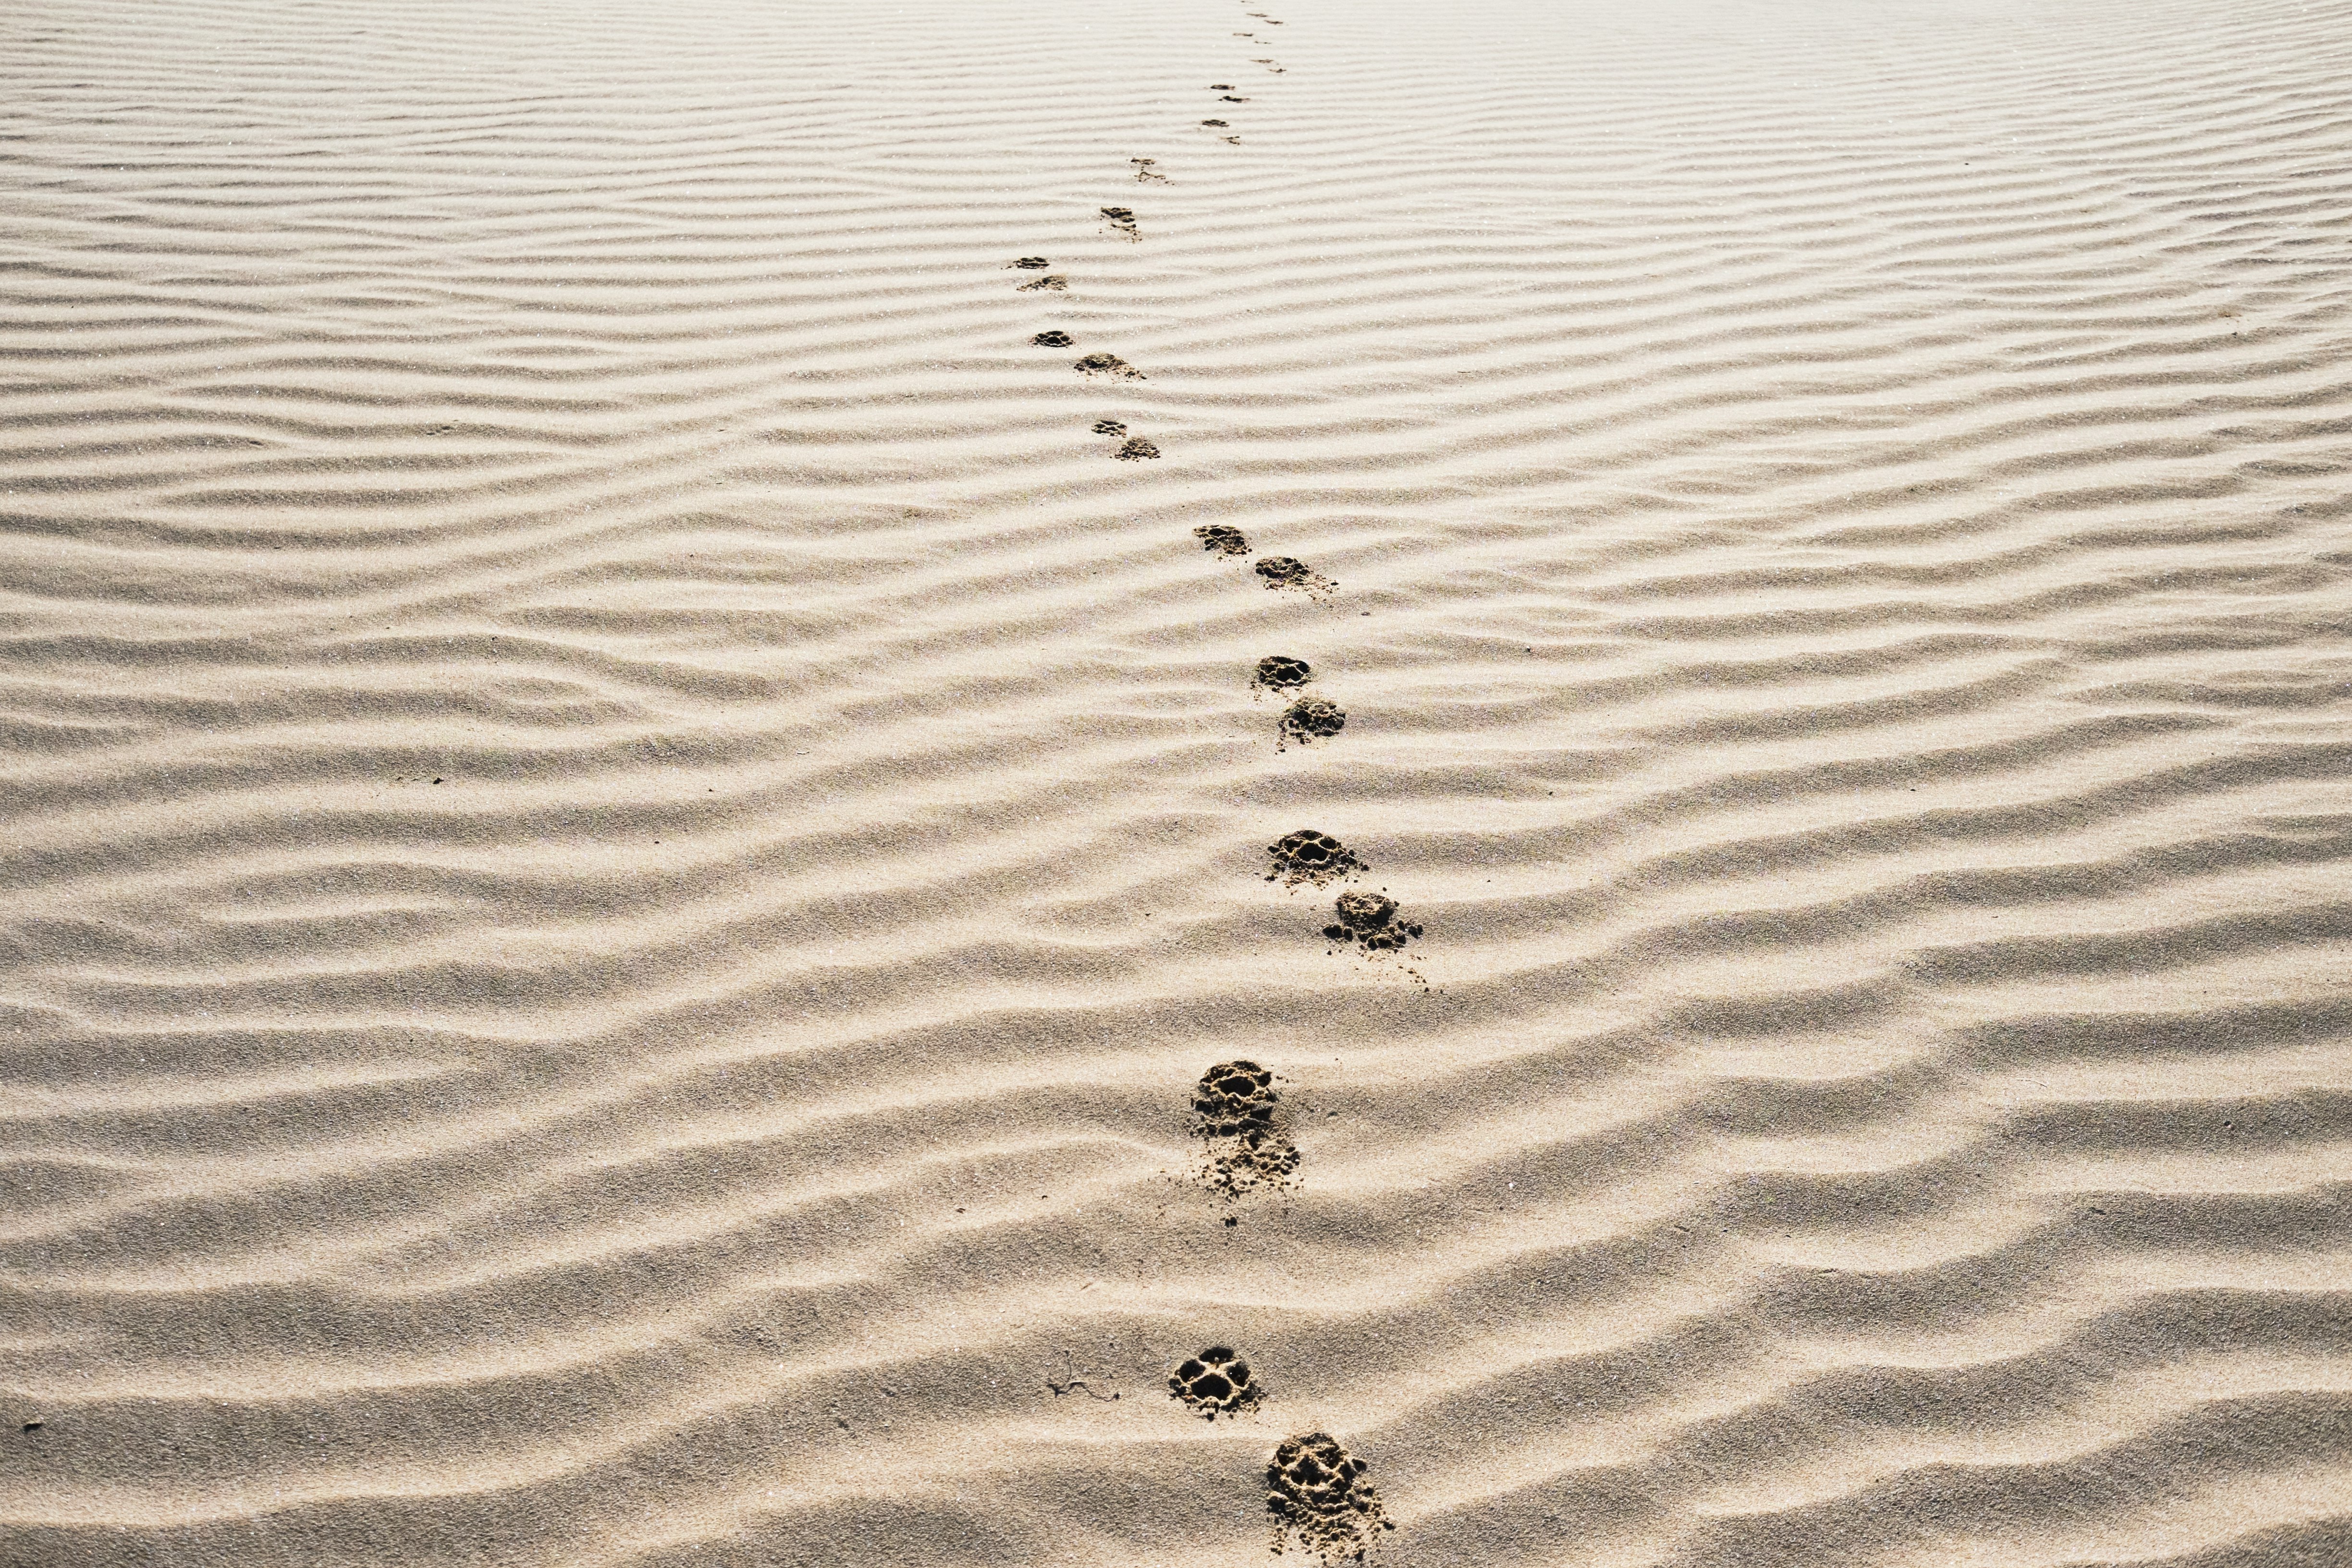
(627, 836)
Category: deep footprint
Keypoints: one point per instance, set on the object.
(1235, 1112)
(1287, 571)
(1369, 920)
(1309, 855)
(1134, 449)
(1215, 1383)
(1123, 220)
(1029, 264)
(1310, 719)
(1108, 364)
(1221, 539)
(1317, 1493)
(1280, 672)
(1052, 340)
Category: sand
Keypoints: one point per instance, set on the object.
(628, 833)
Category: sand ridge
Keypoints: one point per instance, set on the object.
(650, 653)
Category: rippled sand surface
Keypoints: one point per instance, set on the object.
(625, 837)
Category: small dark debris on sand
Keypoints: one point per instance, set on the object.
(1135, 447)
(1221, 537)
(1369, 920)
(1215, 1383)
(1108, 364)
(1278, 672)
(1309, 855)
(1316, 1493)
(1235, 1112)
(1312, 717)
(1052, 340)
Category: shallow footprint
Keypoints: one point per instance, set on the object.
(1308, 719)
(1029, 264)
(1309, 854)
(1278, 672)
(1215, 1383)
(1287, 571)
(1110, 427)
(1146, 169)
(1123, 220)
(1317, 1493)
(1052, 340)
(1052, 281)
(1108, 364)
(1135, 447)
(1221, 537)
(1369, 920)
(1235, 1112)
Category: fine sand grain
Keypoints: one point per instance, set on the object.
(638, 783)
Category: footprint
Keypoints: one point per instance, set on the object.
(1220, 124)
(1278, 672)
(1123, 220)
(1136, 446)
(1052, 281)
(1108, 364)
(1283, 572)
(1370, 920)
(1223, 538)
(1147, 169)
(1307, 855)
(1235, 1112)
(1052, 340)
(1308, 719)
(1029, 264)
(1215, 1383)
(1110, 427)
(1316, 1493)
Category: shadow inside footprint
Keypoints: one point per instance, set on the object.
(1307, 855)
(1221, 539)
(1369, 920)
(1311, 718)
(1235, 1111)
(1287, 571)
(1316, 1493)
(1106, 364)
(1278, 672)
(1215, 1383)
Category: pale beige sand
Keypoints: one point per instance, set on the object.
(624, 837)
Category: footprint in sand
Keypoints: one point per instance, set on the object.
(1123, 220)
(1110, 427)
(1310, 719)
(1280, 672)
(1215, 1383)
(1028, 264)
(1135, 449)
(1237, 1112)
(1054, 281)
(1052, 340)
(1147, 169)
(1285, 571)
(1309, 854)
(1317, 1495)
(1226, 88)
(1221, 539)
(1370, 920)
(1108, 364)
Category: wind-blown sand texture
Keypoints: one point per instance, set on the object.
(626, 837)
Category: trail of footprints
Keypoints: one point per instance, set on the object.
(1317, 1496)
